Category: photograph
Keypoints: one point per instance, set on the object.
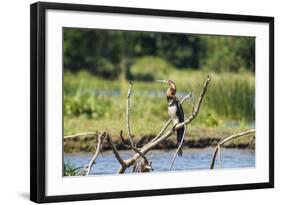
(138, 102)
(133, 102)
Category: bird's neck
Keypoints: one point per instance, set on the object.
(171, 92)
(172, 100)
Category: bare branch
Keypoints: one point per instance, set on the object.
(197, 107)
(123, 139)
(158, 139)
(161, 131)
(122, 170)
(180, 145)
(221, 143)
(219, 155)
(133, 148)
(193, 103)
(188, 96)
(93, 160)
(115, 151)
(80, 135)
(128, 114)
(176, 153)
(151, 145)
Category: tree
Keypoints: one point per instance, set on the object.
(227, 53)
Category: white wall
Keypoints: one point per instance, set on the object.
(14, 103)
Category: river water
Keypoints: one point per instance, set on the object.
(192, 159)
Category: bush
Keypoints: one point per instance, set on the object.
(150, 68)
(83, 103)
(106, 69)
(226, 53)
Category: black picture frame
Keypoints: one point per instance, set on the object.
(38, 100)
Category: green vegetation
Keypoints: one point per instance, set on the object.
(108, 54)
(70, 170)
(91, 103)
(98, 65)
(226, 53)
(148, 68)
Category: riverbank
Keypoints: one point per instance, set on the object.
(195, 138)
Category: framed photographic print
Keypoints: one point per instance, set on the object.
(129, 102)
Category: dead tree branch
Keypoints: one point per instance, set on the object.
(115, 151)
(80, 135)
(128, 113)
(131, 145)
(221, 143)
(162, 130)
(180, 145)
(197, 107)
(126, 144)
(93, 160)
(151, 145)
(219, 156)
(141, 152)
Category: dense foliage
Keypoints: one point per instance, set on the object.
(110, 54)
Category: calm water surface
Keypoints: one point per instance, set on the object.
(192, 159)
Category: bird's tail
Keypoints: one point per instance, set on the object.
(180, 133)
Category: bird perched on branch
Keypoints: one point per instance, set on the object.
(175, 110)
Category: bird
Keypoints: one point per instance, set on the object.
(175, 111)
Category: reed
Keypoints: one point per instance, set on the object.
(90, 101)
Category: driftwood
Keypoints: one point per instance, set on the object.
(140, 153)
(222, 142)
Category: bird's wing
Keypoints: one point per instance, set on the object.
(180, 112)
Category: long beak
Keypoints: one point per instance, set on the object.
(162, 81)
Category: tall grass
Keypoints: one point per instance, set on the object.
(92, 103)
(232, 96)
